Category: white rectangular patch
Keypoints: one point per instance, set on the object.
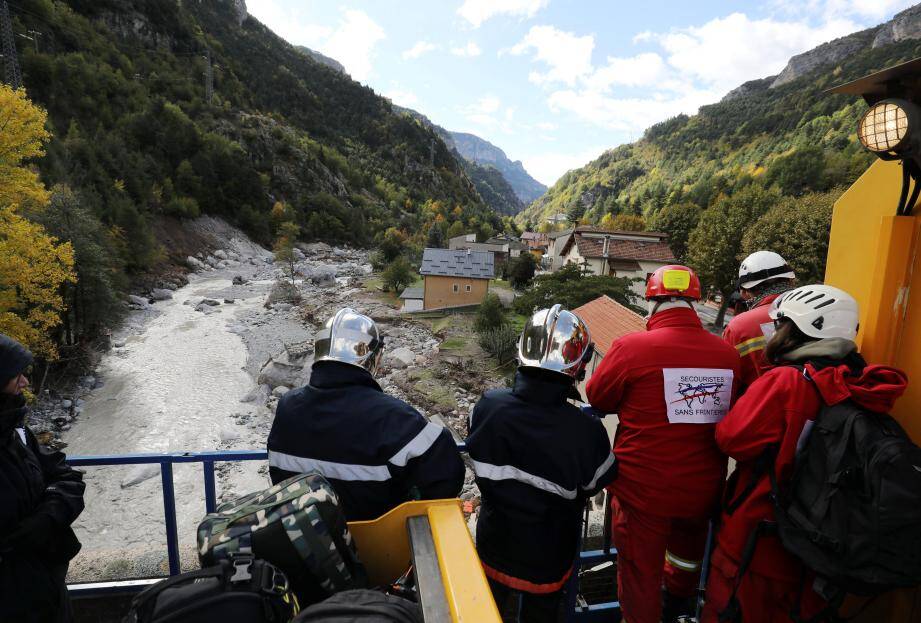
(697, 395)
(22, 435)
(767, 330)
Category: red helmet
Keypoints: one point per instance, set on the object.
(673, 280)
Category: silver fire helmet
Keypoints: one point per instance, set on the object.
(555, 339)
(350, 337)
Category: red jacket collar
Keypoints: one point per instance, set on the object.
(678, 317)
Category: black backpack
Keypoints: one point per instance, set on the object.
(851, 512)
(362, 606)
(241, 589)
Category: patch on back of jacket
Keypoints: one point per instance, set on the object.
(697, 395)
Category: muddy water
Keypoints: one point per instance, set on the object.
(175, 386)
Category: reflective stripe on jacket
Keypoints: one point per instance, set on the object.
(749, 333)
(537, 458)
(376, 450)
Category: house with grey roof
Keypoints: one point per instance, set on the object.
(455, 277)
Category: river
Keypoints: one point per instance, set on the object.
(174, 386)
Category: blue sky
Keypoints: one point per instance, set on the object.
(556, 82)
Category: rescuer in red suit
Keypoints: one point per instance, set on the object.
(816, 362)
(763, 276)
(669, 386)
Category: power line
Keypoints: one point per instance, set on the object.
(8, 48)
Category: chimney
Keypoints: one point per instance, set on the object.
(604, 251)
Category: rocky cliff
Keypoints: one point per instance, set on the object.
(905, 25)
(483, 152)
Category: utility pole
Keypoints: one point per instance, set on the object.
(209, 77)
(8, 48)
(35, 35)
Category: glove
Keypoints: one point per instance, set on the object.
(34, 534)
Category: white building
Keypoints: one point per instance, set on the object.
(630, 254)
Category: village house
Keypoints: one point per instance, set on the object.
(455, 277)
(502, 249)
(631, 254)
(537, 243)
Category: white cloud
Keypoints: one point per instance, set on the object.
(546, 126)
(645, 69)
(728, 51)
(351, 41)
(401, 97)
(420, 48)
(478, 11)
(471, 49)
(548, 167)
(567, 55)
(627, 114)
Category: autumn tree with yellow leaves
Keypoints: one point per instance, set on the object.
(33, 265)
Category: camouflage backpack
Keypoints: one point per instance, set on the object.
(298, 526)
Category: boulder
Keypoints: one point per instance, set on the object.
(210, 302)
(317, 247)
(66, 404)
(322, 276)
(138, 301)
(280, 391)
(220, 254)
(195, 263)
(238, 280)
(284, 369)
(259, 395)
(400, 358)
(161, 294)
(299, 255)
(212, 261)
(228, 301)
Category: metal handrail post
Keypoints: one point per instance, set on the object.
(169, 516)
(210, 493)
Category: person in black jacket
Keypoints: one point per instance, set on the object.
(376, 450)
(537, 459)
(40, 496)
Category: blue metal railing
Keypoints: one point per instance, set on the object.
(208, 459)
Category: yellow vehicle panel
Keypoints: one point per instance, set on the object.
(384, 547)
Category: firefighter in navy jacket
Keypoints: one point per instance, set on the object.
(669, 386)
(537, 459)
(376, 450)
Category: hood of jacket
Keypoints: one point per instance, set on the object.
(840, 373)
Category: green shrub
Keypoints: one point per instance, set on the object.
(501, 343)
(398, 274)
(490, 314)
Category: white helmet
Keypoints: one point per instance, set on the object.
(761, 266)
(819, 311)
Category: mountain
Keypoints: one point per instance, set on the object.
(323, 59)
(482, 152)
(504, 185)
(135, 134)
(782, 132)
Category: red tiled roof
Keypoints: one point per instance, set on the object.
(653, 250)
(608, 320)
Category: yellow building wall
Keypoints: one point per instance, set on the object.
(873, 254)
(439, 291)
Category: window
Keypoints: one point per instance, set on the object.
(467, 288)
(456, 288)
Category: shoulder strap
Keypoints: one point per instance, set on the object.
(764, 464)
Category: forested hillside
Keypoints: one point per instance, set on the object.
(783, 142)
(137, 145)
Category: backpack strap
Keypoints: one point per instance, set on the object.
(763, 465)
(732, 613)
